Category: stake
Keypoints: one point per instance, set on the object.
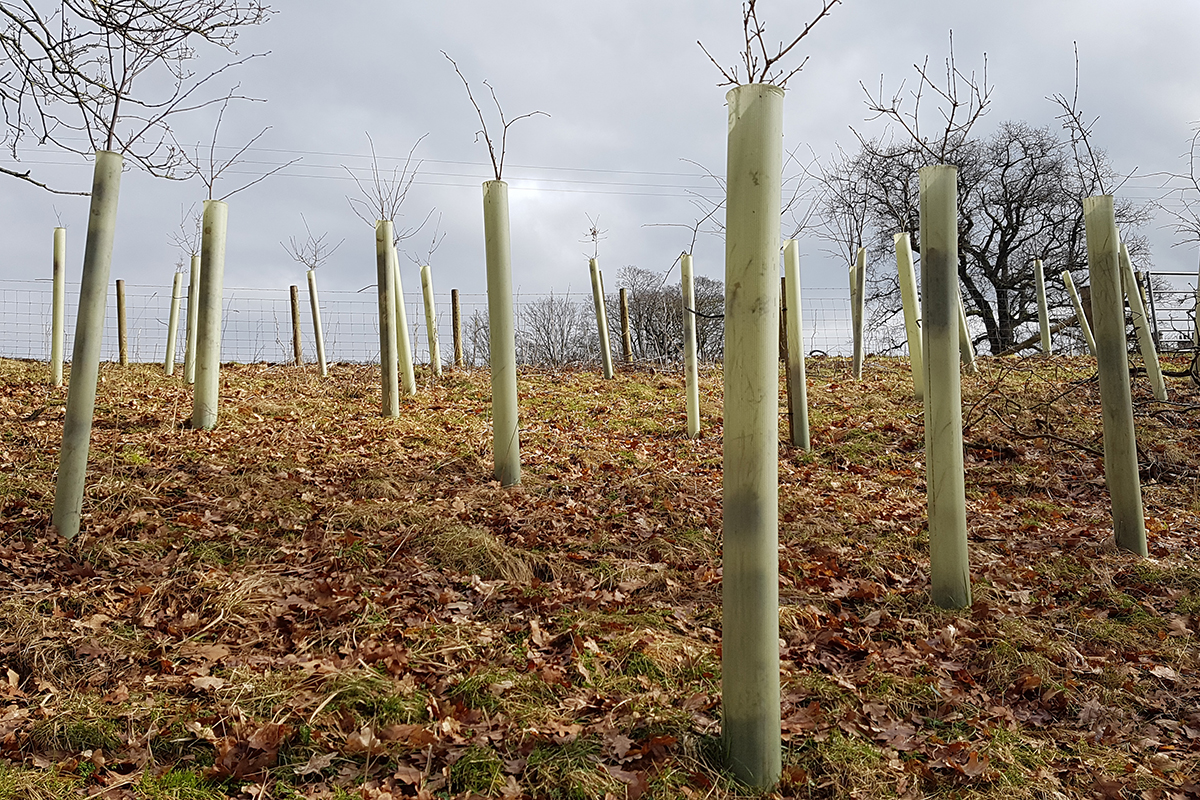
(122, 331)
(386, 284)
(456, 324)
(858, 276)
(207, 395)
(691, 370)
(173, 323)
(502, 342)
(750, 593)
(297, 353)
(1137, 310)
(1043, 308)
(912, 310)
(797, 384)
(407, 377)
(601, 318)
(89, 331)
(435, 351)
(626, 338)
(193, 317)
(1079, 315)
(949, 567)
(58, 313)
(318, 331)
(1112, 358)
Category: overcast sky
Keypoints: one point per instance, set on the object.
(632, 102)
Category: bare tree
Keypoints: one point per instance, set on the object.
(384, 193)
(496, 153)
(555, 332)
(761, 66)
(80, 70)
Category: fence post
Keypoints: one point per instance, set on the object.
(297, 355)
(626, 338)
(122, 333)
(456, 324)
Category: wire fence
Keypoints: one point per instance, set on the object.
(257, 326)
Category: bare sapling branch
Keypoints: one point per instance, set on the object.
(187, 237)
(434, 243)
(962, 100)
(760, 65)
(505, 124)
(1185, 220)
(383, 195)
(313, 251)
(210, 168)
(594, 235)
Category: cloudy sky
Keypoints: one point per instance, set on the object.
(634, 107)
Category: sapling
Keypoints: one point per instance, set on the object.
(78, 68)
(1043, 309)
(1080, 317)
(173, 323)
(797, 384)
(311, 253)
(1112, 360)
(58, 311)
(858, 276)
(595, 235)
(949, 566)
(1141, 325)
(912, 311)
(502, 342)
(750, 725)
(383, 197)
(431, 331)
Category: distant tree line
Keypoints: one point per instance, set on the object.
(560, 331)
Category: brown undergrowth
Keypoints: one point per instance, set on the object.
(314, 602)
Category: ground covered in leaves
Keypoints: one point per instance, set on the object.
(314, 602)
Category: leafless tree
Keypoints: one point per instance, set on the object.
(476, 338)
(77, 70)
(554, 332)
(494, 152)
(312, 251)
(761, 66)
(187, 236)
